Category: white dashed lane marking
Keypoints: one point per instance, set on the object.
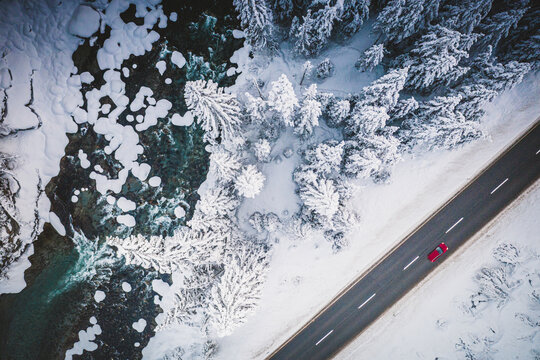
(324, 337)
(365, 302)
(453, 226)
(497, 188)
(409, 264)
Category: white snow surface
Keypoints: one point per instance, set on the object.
(179, 120)
(125, 204)
(446, 292)
(419, 185)
(126, 219)
(85, 22)
(57, 224)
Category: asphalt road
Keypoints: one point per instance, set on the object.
(406, 265)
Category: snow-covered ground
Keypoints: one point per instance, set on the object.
(305, 275)
(447, 327)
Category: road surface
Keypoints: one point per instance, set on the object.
(355, 308)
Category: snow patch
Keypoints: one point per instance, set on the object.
(85, 22)
(178, 59)
(161, 66)
(99, 296)
(180, 120)
(154, 181)
(126, 287)
(179, 212)
(57, 224)
(127, 220)
(125, 204)
(139, 325)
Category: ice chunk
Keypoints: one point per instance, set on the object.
(237, 34)
(84, 22)
(84, 159)
(125, 204)
(173, 16)
(185, 120)
(139, 325)
(126, 220)
(93, 320)
(57, 224)
(179, 212)
(161, 66)
(178, 59)
(99, 296)
(154, 181)
(126, 287)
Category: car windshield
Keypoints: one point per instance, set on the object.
(439, 250)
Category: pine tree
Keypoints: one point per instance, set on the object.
(365, 120)
(216, 111)
(464, 15)
(370, 58)
(307, 116)
(403, 108)
(166, 254)
(325, 158)
(473, 98)
(321, 197)
(283, 9)
(436, 124)
(403, 18)
(261, 150)
(255, 109)
(384, 91)
(224, 164)
(337, 112)
(234, 297)
(282, 99)
(250, 182)
(497, 27)
(523, 43)
(313, 32)
(217, 201)
(256, 21)
(435, 56)
(352, 16)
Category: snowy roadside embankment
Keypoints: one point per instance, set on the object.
(482, 303)
(305, 275)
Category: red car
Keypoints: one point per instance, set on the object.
(439, 250)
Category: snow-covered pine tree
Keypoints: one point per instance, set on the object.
(365, 120)
(436, 124)
(321, 197)
(325, 158)
(224, 164)
(352, 16)
(403, 108)
(464, 15)
(473, 98)
(370, 58)
(523, 43)
(255, 109)
(384, 91)
(325, 69)
(403, 18)
(282, 99)
(500, 77)
(435, 56)
(216, 111)
(307, 116)
(165, 254)
(217, 201)
(256, 21)
(496, 27)
(235, 296)
(283, 9)
(261, 150)
(250, 182)
(372, 156)
(337, 112)
(313, 32)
